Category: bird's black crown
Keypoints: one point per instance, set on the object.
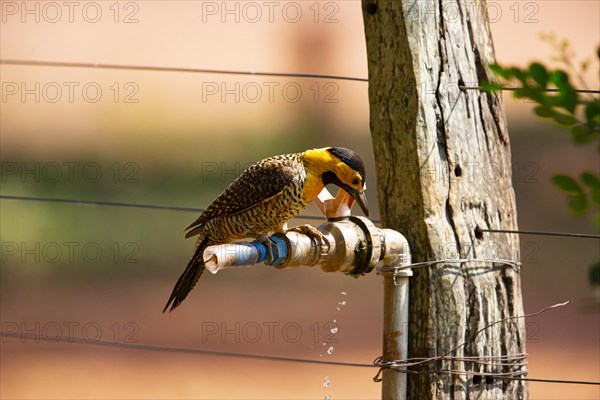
(350, 158)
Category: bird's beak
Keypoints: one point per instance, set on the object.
(361, 199)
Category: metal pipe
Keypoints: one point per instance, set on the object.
(395, 331)
(395, 317)
(356, 247)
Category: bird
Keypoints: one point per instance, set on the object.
(262, 200)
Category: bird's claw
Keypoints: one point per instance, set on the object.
(312, 232)
(269, 245)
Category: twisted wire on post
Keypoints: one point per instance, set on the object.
(515, 264)
(518, 361)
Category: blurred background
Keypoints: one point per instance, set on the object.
(178, 139)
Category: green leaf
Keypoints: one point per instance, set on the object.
(544, 112)
(570, 99)
(500, 71)
(593, 182)
(590, 179)
(564, 119)
(567, 97)
(582, 134)
(530, 92)
(594, 274)
(578, 204)
(567, 184)
(518, 74)
(592, 111)
(491, 87)
(559, 78)
(539, 74)
(522, 92)
(595, 195)
(552, 101)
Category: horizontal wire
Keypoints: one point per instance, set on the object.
(100, 203)
(563, 234)
(554, 381)
(175, 69)
(507, 376)
(39, 63)
(196, 209)
(168, 349)
(118, 204)
(514, 89)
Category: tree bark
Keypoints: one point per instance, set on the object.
(443, 176)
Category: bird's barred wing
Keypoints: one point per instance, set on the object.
(258, 183)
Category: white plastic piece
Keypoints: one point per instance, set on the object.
(337, 207)
(230, 255)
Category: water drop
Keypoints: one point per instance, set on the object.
(344, 293)
(334, 330)
(330, 350)
(326, 383)
(327, 397)
(337, 308)
(343, 303)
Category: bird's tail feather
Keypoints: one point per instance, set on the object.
(188, 279)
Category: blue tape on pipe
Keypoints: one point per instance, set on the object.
(279, 251)
(247, 253)
(263, 253)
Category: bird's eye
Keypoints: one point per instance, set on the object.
(355, 181)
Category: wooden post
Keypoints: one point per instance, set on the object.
(443, 177)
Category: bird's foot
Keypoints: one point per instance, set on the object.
(264, 239)
(312, 232)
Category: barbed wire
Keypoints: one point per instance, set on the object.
(127, 67)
